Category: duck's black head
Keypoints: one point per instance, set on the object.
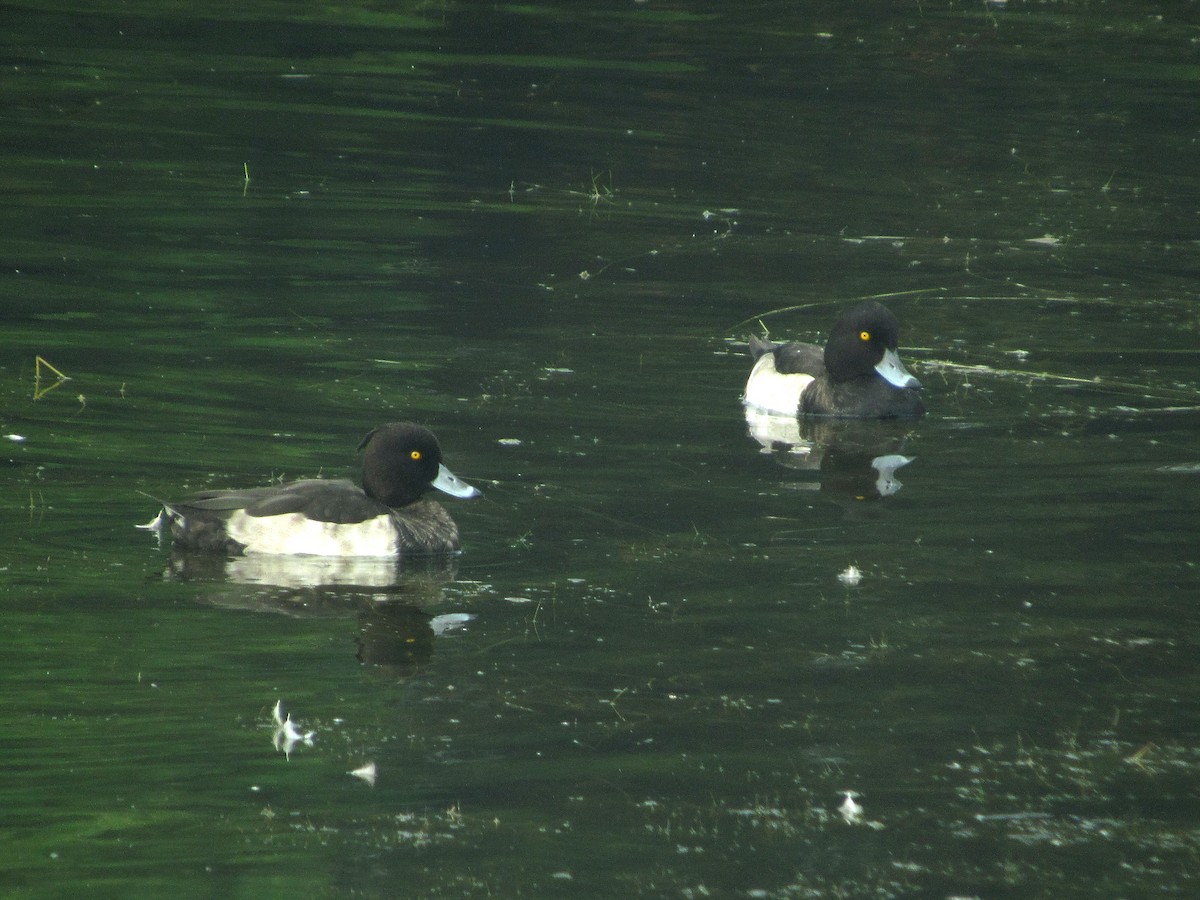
(402, 461)
(865, 337)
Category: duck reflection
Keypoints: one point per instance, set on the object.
(852, 459)
(388, 598)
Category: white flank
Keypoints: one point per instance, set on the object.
(293, 533)
(768, 390)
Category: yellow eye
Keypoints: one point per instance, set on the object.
(415, 455)
(864, 335)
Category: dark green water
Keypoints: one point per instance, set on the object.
(540, 229)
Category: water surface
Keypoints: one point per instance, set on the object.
(543, 231)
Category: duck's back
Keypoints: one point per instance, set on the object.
(790, 359)
(324, 499)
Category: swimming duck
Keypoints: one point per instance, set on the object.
(858, 375)
(387, 516)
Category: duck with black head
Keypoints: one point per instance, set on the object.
(858, 374)
(389, 515)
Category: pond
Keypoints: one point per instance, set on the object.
(677, 656)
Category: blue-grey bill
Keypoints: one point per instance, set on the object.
(453, 485)
(894, 372)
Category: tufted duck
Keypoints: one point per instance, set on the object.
(387, 516)
(858, 376)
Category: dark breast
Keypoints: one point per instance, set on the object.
(860, 398)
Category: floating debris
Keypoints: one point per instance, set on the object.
(1185, 468)
(156, 524)
(38, 391)
(448, 622)
(851, 576)
(367, 773)
(851, 810)
(1011, 817)
(887, 483)
(287, 734)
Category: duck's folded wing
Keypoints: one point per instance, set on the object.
(800, 359)
(223, 501)
(758, 346)
(790, 359)
(339, 501)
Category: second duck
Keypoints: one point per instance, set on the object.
(858, 375)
